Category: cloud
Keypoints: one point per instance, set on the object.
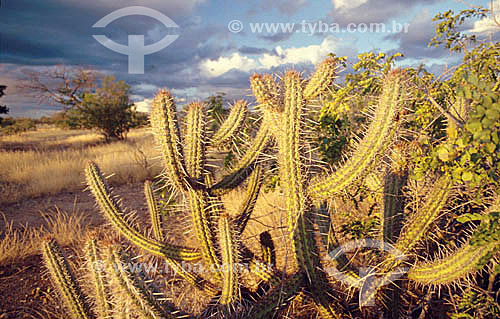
(221, 65)
(370, 11)
(348, 4)
(277, 37)
(311, 54)
(288, 7)
(253, 50)
(488, 24)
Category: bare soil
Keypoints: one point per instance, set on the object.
(31, 212)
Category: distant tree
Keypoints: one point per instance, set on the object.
(3, 109)
(88, 103)
(216, 109)
(108, 110)
(60, 85)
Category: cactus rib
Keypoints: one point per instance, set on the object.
(65, 280)
(423, 218)
(112, 212)
(194, 150)
(321, 80)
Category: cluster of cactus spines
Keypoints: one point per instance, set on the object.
(286, 113)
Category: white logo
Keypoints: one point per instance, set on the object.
(368, 281)
(136, 50)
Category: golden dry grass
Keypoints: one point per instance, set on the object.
(57, 162)
(15, 244)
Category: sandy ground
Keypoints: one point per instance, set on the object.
(31, 212)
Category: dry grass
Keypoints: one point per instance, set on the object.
(15, 244)
(57, 164)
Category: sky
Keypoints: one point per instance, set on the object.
(218, 44)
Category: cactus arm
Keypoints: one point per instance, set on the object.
(98, 275)
(112, 212)
(195, 141)
(248, 205)
(277, 298)
(154, 212)
(166, 133)
(230, 261)
(322, 79)
(143, 300)
(246, 164)
(200, 216)
(468, 259)
(375, 142)
(266, 92)
(423, 218)
(65, 281)
(233, 122)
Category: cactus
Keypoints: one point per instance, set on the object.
(287, 115)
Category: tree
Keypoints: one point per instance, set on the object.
(60, 85)
(109, 109)
(3, 109)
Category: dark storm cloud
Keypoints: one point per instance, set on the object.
(253, 50)
(277, 37)
(52, 32)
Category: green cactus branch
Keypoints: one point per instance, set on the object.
(230, 253)
(102, 292)
(376, 141)
(110, 208)
(143, 300)
(154, 212)
(166, 133)
(233, 122)
(420, 222)
(246, 164)
(248, 205)
(65, 281)
(466, 260)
